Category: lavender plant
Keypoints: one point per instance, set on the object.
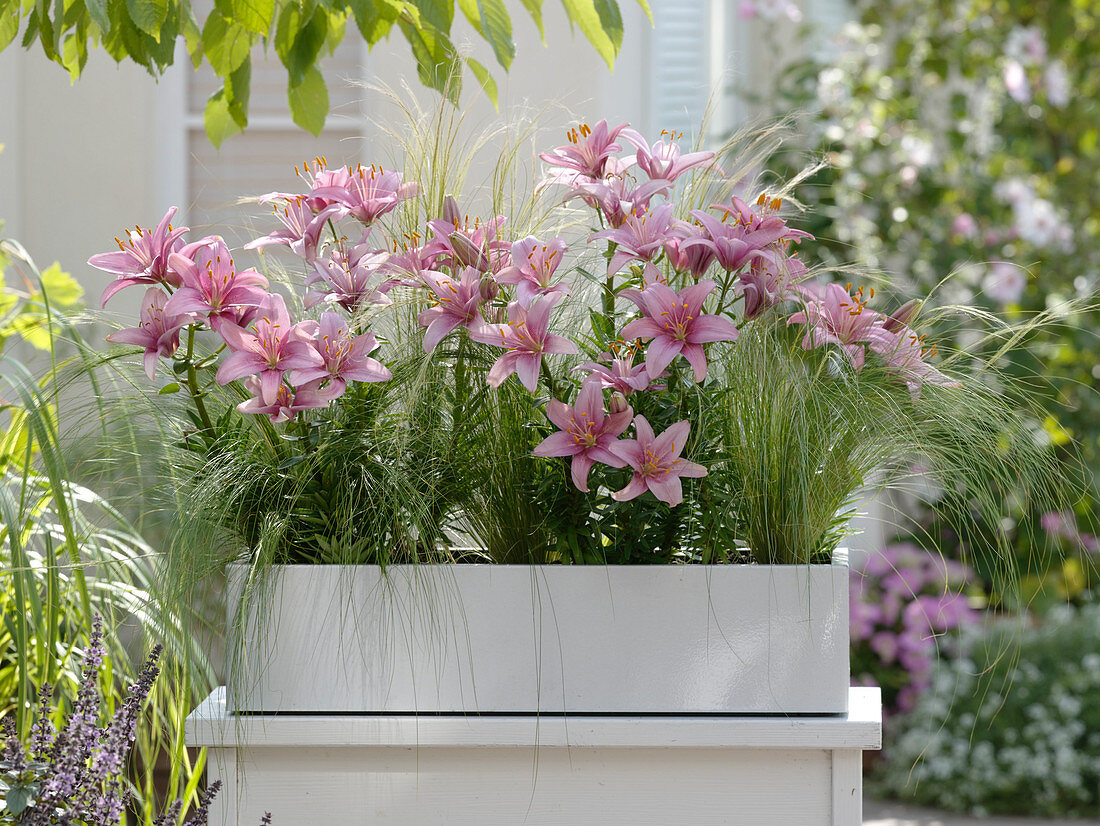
(74, 774)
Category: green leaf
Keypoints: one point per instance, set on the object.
(584, 14)
(611, 21)
(375, 18)
(226, 43)
(218, 119)
(648, 12)
(254, 15)
(18, 799)
(97, 10)
(534, 8)
(9, 24)
(307, 46)
(484, 78)
(192, 35)
(496, 27)
(61, 289)
(439, 14)
(437, 62)
(237, 91)
(171, 387)
(148, 15)
(309, 101)
(74, 55)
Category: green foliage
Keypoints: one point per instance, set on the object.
(1019, 737)
(962, 154)
(68, 554)
(302, 31)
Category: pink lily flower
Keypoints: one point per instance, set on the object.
(641, 237)
(157, 331)
(404, 265)
(676, 325)
(457, 244)
(212, 287)
(622, 375)
(657, 464)
(344, 357)
(589, 148)
(368, 193)
(840, 318)
(344, 278)
(694, 258)
(142, 258)
(533, 265)
(287, 402)
(586, 433)
(301, 227)
(527, 339)
(904, 353)
(318, 176)
(616, 196)
(736, 243)
(664, 162)
(769, 281)
(456, 305)
(270, 347)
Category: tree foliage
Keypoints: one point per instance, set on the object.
(301, 32)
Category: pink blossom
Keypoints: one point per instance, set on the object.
(344, 357)
(692, 258)
(286, 404)
(157, 331)
(663, 160)
(735, 243)
(527, 339)
(616, 196)
(456, 305)
(142, 258)
(964, 225)
(1005, 283)
(368, 193)
(301, 227)
(458, 244)
(212, 287)
(640, 237)
(533, 265)
(656, 462)
(622, 375)
(585, 433)
(588, 149)
(769, 281)
(344, 278)
(904, 353)
(270, 347)
(840, 318)
(676, 325)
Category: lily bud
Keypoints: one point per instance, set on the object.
(450, 211)
(467, 252)
(901, 316)
(617, 403)
(489, 289)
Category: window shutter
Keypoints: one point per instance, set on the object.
(680, 69)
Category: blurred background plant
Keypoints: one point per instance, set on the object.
(69, 554)
(962, 148)
(1021, 736)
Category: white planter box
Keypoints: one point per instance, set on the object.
(441, 770)
(469, 639)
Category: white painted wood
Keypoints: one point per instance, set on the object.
(11, 128)
(847, 773)
(498, 771)
(861, 728)
(221, 766)
(540, 639)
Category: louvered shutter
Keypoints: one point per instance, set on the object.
(680, 69)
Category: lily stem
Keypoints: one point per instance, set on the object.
(193, 382)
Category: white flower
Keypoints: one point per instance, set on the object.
(1056, 79)
(1016, 82)
(1004, 283)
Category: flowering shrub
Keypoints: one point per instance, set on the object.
(1022, 736)
(74, 775)
(906, 603)
(961, 139)
(701, 318)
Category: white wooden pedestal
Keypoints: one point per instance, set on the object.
(453, 770)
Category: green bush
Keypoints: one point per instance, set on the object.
(1022, 737)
